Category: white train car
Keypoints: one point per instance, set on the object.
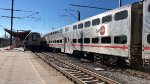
(146, 34)
(113, 36)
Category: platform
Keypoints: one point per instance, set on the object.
(18, 67)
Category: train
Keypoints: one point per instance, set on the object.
(32, 41)
(120, 36)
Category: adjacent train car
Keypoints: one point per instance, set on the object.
(117, 36)
(32, 41)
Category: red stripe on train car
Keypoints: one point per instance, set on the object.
(121, 47)
(146, 48)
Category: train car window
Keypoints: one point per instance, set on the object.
(49, 41)
(148, 38)
(120, 39)
(107, 18)
(95, 40)
(149, 8)
(60, 41)
(34, 37)
(55, 32)
(53, 41)
(86, 40)
(87, 24)
(95, 22)
(106, 40)
(74, 40)
(121, 15)
(80, 40)
(75, 27)
(57, 41)
(80, 26)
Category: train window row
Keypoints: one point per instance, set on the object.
(118, 16)
(104, 40)
(56, 32)
(56, 41)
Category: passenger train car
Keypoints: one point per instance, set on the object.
(32, 41)
(120, 35)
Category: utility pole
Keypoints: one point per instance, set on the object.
(12, 10)
(5, 39)
(79, 17)
(120, 3)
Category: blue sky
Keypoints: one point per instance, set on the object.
(50, 13)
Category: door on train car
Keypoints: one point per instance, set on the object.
(65, 42)
(146, 30)
(66, 45)
(136, 35)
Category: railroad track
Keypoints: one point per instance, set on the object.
(128, 71)
(76, 73)
(137, 74)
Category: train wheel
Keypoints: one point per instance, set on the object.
(120, 62)
(90, 56)
(54, 50)
(98, 58)
(75, 54)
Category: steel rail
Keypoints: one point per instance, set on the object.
(76, 73)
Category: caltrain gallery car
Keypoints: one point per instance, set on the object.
(120, 35)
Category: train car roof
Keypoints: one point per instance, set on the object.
(34, 32)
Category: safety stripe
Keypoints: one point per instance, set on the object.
(92, 45)
(146, 48)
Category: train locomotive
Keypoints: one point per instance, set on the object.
(118, 36)
(32, 41)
